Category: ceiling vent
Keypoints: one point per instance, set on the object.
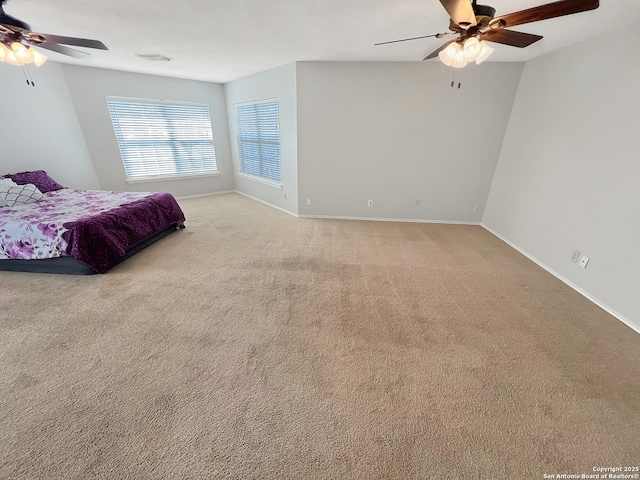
(154, 58)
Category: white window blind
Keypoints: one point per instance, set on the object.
(259, 138)
(161, 139)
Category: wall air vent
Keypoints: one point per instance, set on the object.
(153, 58)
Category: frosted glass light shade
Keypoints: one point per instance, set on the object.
(472, 49)
(13, 59)
(459, 61)
(485, 52)
(448, 55)
(4, 51)
(21, 53)
(38, 58)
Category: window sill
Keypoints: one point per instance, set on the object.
(266, 181)
(171, 177)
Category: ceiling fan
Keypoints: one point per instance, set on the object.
(474, 25)
(17, 40)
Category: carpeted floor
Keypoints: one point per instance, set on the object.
(254, 345)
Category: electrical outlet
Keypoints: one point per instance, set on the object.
(370, 203)
(417, 203)
(308, 201)
(584, 261)
(475, 208)
(575, 256)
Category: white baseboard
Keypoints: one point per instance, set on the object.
(266, 203)
(370, 219)
(582, 292)
(187, 197)
(397, 220)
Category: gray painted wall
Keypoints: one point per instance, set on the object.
(397, 133)
(89, 88)
(569, 174)
(40, 128)
(278, 83)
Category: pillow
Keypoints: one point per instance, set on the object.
(39, 178)
(5, 185)
(12, 195)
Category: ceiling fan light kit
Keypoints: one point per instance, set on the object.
(17, 42)
(475, 25)
(24, 55)
(472, 50)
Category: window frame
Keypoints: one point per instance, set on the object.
(251, 175)
(172, 143)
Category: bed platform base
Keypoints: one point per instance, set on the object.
(72, 266)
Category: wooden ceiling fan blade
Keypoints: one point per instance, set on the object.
(71, 52)
(509, 37)
(544, 12)
(461, 12)
(78, 42)
(435, 53)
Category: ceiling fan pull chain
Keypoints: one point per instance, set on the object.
(25, 75)
(29, 78)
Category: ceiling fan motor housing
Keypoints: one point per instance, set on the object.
(484, 15)
(10, 22)
(484, 11)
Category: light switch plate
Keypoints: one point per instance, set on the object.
(584, 261)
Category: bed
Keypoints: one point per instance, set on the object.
(80, 231)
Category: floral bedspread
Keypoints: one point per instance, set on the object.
(50, 228)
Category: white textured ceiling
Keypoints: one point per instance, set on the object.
(221, 41)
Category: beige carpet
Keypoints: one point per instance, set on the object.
(254, 345)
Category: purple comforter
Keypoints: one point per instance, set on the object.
(95, 227)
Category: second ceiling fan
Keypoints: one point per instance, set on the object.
(474, 25)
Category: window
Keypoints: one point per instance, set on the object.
(163, 139)
(259, 138)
